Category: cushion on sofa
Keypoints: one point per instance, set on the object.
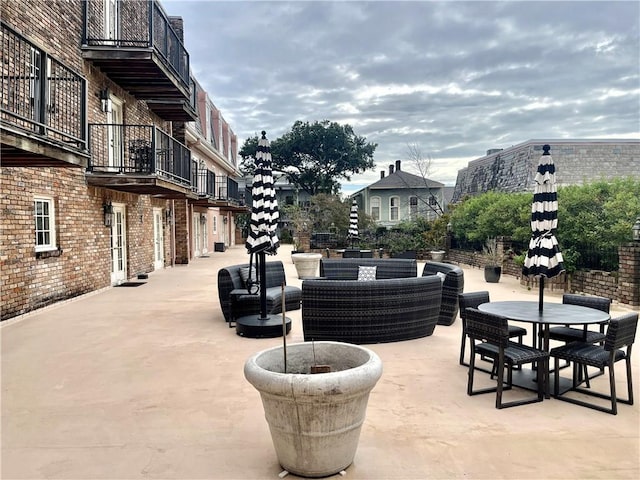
(245, 276)
(366, 273)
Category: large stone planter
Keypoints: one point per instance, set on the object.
(437, 255)
(315, 419)
(307, 264)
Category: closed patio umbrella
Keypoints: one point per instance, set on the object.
(264, 208)
(262, 240)
(544, 258)
(353, 222)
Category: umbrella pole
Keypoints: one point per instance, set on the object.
(263, 283)
(541, 294)
(284, 328)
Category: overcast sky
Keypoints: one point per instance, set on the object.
(453, 78)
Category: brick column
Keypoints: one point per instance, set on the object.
(629, 274)
(305, 240)
(181, 219)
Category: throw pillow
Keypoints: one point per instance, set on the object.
(244, 275)
(366, 273)
(442, 276)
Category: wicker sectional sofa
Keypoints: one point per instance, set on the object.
(396, 306)
(452, 286)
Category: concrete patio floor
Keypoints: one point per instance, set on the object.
(147, 383)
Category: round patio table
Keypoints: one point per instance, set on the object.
(551, 314)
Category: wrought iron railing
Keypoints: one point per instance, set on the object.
(138, 149)
(136, 24)
(227, 189)
(40, 94)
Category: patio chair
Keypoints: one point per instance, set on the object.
(621, 332)
(492, 331)
(568, 334)
(473, 299)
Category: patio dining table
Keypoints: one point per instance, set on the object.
(551, 314)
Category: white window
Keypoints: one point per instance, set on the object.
(394, 206)
(413, 207)
(375, 208)
(45, 223)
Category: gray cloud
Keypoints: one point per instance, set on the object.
(455, 78)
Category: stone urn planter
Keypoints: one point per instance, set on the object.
(307, 264)
(315, 419)
(437, 255)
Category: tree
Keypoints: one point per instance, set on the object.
(422, 164)
(316, 156)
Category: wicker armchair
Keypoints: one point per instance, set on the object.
(492, 333)
(453, 286)
(236, 300)
(620, 333)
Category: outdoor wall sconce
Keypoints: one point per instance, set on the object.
(167, 215)
(636, 230)
(107, 210)
(105, 100)
(203, 219)
(225, 220)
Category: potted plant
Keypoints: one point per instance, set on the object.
(402, 244)
(493, 266)
(315, 397)
(436, 237)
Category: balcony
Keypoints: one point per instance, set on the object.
(135, 45)
(216, 190)
(43, 107)
(139, 159)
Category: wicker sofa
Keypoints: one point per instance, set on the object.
(452, 286)
(236, 301)
(396, 306)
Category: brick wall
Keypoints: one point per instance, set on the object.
(622, 286)
(82, 266)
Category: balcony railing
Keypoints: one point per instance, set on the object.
(40, 95)
(135, 24)
(227, 189)
(138, 149)
(206, 183)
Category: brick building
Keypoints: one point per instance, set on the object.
(577, 161)
(98, 108)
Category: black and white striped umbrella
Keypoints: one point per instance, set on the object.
(544, 258)
(264, 207)
(353, 220)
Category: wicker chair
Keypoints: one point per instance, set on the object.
(492, 331)
(236, 300)
(567, 334)
(473, 300)
(621, 332)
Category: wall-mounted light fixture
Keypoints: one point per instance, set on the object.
(105, 99)
(167, 215)
(203, 219)
(225, 220)
(107, 210)
(636, 230)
